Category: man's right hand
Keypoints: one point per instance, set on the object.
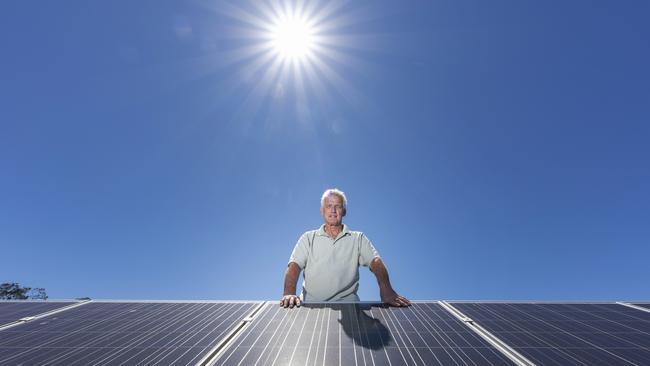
(290, 301)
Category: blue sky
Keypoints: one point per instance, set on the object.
(490, 150)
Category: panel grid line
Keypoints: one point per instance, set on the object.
(422, 338)
(311, 342)
(240, 340)
(572, 335)
(320, 333)
(143, 337)
(381, 312)
(368, 334)
(285, 337)
(302, 329)
(112, 336)
(232, 317)
(113, 332)
(51, 341)
(429, 325)
(560, 333)
(270, 339)
(365, 336)
(502, 346)
(327, 333)
(382, 340)
(410, 341)
(455, 348)
(354, 310)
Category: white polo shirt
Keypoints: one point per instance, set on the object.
(331, 266)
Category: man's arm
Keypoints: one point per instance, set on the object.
(289, 298)
(386, 292)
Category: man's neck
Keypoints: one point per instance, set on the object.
(333, 230)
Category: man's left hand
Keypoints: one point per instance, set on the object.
(392, 298)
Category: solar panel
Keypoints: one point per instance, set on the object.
(356, 334)
(11, 311)
(146, 333)
(569, 333)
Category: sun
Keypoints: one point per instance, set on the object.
(297, 56)
(292, 38)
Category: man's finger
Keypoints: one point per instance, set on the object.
(403, 300)
(297, 301)
(292, 301)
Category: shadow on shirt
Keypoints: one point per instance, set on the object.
(361, 322)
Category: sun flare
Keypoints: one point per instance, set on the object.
(293, 38)
(292, 54)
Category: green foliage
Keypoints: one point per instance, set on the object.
(13, 291)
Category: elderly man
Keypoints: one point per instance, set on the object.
(330, 257)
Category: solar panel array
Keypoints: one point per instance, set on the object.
(243, 333)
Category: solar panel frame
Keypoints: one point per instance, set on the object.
(355, 333)
(645, 305)
(114, 331)
(567, 332)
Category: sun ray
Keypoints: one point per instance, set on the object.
(260, 92)
(327, 11)
(243, 16)
(242, 54)
(342, 86)
(323, 96)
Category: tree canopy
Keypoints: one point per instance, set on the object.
(14, 291)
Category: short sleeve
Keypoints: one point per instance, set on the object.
(299, 254)
(367, 251)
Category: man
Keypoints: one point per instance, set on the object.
(330, 257)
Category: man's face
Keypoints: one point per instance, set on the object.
(333, 210)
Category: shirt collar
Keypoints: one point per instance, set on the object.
(321, 231)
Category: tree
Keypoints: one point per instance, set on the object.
(37, 294)
(13, 291)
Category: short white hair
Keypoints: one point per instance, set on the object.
(333, 192)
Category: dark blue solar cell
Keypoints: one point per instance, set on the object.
(10, 311)
(566, 334)
(353, 334)
(131, 333)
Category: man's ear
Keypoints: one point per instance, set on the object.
(345, 210)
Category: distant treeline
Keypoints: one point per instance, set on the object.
(14, 291)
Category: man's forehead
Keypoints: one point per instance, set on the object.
(333, 198)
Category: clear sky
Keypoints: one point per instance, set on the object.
(490, 150)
